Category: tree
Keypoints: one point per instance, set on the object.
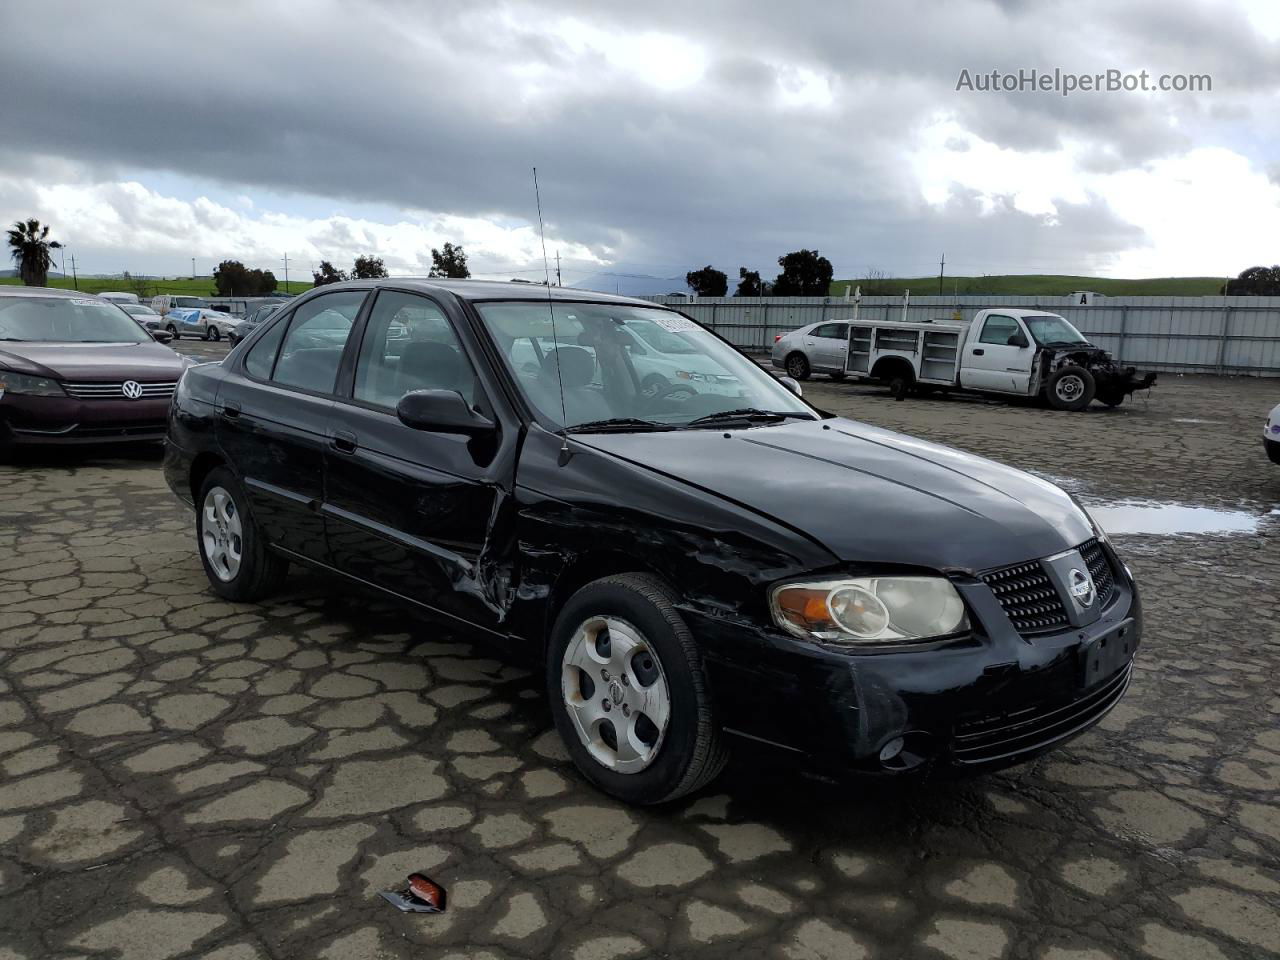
(327, 273)
(708, 282)
(750, 284)
(234, 279)
(804, 274)
(449, 262)
(1255, 282)
(878, 283)
(368, 268)
(29, 245)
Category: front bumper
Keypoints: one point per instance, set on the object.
(981, 703)
(32, 420)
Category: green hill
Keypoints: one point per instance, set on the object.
(184, 286)
(1036, 285)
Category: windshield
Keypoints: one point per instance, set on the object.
(61, 320)
(626, 362)
(1051, 328)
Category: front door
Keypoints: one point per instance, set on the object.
(423, 514)
(274, 411)
(996, 360)
(830, 344)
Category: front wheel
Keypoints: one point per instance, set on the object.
(234, 553)
(173, 332)
(628, 692)
(1070, 388)
(212, 334)
(1273, 449)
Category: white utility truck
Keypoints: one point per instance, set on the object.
(1019, 353)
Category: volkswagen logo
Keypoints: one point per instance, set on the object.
(1081, 588)
(131, 389)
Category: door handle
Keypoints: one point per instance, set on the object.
(231, 410)
(978, 352)
(344, 441)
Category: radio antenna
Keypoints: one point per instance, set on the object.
(546, 270)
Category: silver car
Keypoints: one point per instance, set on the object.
(202, 322)
(817, 348)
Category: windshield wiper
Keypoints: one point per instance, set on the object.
(746, 413)
(618, 425)
(13, 339)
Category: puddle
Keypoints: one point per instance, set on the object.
(1171, 519)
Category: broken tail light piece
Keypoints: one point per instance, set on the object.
(421, 895)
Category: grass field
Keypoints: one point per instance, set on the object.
(184, 286)
(1037, 284)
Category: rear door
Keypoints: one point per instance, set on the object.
(991, 362)
(423, 514)
(274, 410)
(830, 344)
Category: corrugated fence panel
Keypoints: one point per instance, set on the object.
(1236, 335)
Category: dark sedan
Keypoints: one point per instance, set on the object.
(691, 570)
(76, 369)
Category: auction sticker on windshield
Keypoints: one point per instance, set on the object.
(675, 324)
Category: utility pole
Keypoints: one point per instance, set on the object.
(193, 268)
(942, 265)
(74, 280)
(286, 273)
(558, 283)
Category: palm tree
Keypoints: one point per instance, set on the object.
(29, 244)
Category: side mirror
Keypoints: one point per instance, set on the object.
(161, 336)
(792, 385)
(441, 411)
(1018, 339)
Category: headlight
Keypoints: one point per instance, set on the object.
(29, 385)
(868, 611)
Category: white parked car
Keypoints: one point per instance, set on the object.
(1271, 435)
(200, 322)
(119, 298)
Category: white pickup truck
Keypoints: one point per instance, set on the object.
(1022, 353)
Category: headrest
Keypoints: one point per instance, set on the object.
(577, 366)
(431, 362)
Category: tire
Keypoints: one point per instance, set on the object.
(1070, 388)
(900, 386)
(174, 331)
(654, 385)
(797, 366)
(257, 572)
(836, 375)
(211, 333)
(688, 752)
(1272, 447)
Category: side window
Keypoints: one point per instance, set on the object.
(409, 345)
(262, 355)
(834, 331)
(318, 332)
(998, 330)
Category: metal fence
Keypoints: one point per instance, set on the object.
(1225, 335)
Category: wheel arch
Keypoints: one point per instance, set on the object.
(886, 368)
(203, 464)
(586, 568)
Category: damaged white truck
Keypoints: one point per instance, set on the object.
(1022, 353)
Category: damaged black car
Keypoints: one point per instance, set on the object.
(698, 560)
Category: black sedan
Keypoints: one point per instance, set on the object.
(691, 570)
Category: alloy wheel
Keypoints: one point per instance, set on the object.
(616, 694)
(221, 533)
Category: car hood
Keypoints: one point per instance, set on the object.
(93, 361)
(869, 495)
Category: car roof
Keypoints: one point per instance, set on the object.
(480, 290)
(10, 290)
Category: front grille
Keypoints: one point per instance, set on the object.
(114, 389)
(1001, 736)
(1029, 600)
(1104, 582)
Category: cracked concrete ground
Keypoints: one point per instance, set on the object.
(185, 777)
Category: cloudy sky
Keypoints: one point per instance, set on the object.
(667, 135)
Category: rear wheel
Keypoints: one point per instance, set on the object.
(900, 385)
(232, 549)
(798, 366)
(1070, 388)
(1272, 448)
(628, 692)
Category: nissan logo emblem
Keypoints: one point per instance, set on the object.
(131, 389)
(1081, 588)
